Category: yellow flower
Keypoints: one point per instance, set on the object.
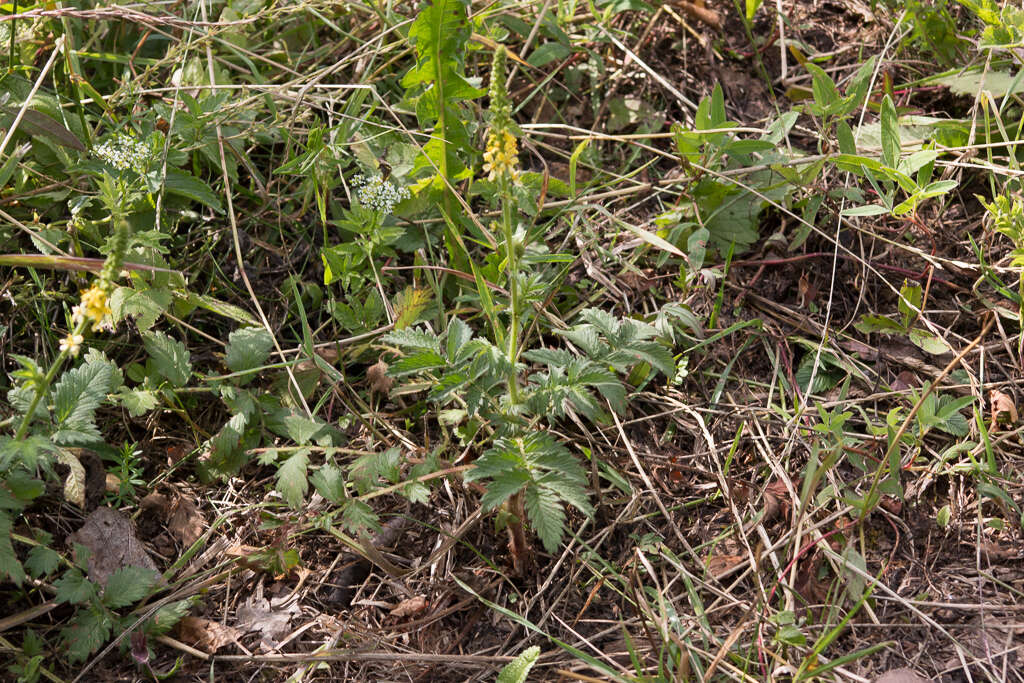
(94, 306)
(501, 156)
(72, 343)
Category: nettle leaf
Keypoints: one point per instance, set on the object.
(248, 348)
(89, 629)
(359, 517)
(546, 515)
(367, 470)
(128, 585)
(41, 561)
(76, 397)
(302, 430)
(147, 305)
(74, 588)
(558, 358)
(170, 357)
(329, 481)
(291, 478)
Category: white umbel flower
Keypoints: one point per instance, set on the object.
(124, 153)
(378, 194)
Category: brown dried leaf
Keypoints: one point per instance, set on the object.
(110, 537)
(409, 607)
(901, 676)
(719, 565)
(186, 523)
(209, 636)
(776, 500)
(1003, 408)
(905, 380)
(377, 376)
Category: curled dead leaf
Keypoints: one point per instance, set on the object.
(377, 376)
(1004, 411)
(186, 523)
(776, 500)
(209, 636)
(410, 607)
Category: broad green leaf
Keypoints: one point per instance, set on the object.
(547, 53)
(359, 517)
(890, 133)
(929, 342)
(909, 303)
(76, 397)
(248, 348)
(170, 357)
(302, 429)
(137, 402)
(185, 185)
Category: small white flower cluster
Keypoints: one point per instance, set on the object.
(124, 152)
(379, 194)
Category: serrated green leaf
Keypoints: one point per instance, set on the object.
(302, 429)
(168, 616)
(358, 517)
(291, 478)
(128, 585)
(10, 567)
(89, 629)
(502, 487)
(74, 588)
(170, 357)
(546, 515)
(458, 336)
(329, 481)
(147, 305)
(413, 339)
(518, 669)
(416, 362)
(248, 348)
(137, 402)
(76, 397)
(41, 561)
